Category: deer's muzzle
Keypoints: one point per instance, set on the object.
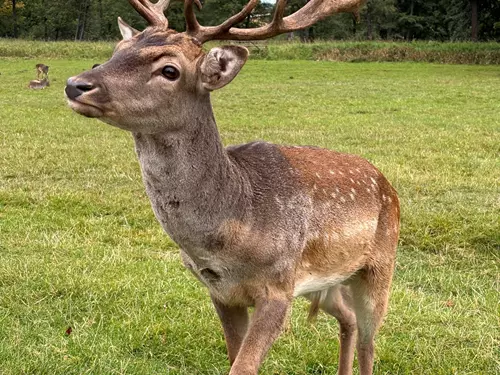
(75, 88)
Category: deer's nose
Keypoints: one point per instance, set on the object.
(75, 88)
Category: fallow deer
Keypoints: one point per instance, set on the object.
(258, 223)
(42, 70)
(39, 84)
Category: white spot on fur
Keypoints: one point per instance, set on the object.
(317, 175)
(350, 171)
(332, 172)
(384, 197)
(342, 199)
(341, 173)
(315, 187)
(356, 229)
(333, 195)
(373, 180)
(353, 190)
(352, 196)
(337, 190)
(352, 180)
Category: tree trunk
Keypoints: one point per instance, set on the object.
(100, 20)
(85, 19)
(78, 25)
(14, 17)
(369, 26)
(473, 4)
(408, 34)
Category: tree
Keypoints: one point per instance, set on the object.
(386, 19)
(14, 17)
(473, 5)
(9, 17)
(380, 17)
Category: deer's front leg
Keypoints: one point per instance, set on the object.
(265, 326)
(234, 321)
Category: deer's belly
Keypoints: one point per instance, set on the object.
(315, 283)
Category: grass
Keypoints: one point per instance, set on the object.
(349, 51)
(354, 51)
(80, 247)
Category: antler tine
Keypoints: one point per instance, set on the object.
(279, 11)
(312, 12)
(153, 13)
(192, 24)
(203, 33)
(237, 18)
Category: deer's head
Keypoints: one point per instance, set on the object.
(157, 78)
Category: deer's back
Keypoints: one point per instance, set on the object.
(334, 213)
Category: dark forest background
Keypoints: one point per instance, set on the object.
(442, 20)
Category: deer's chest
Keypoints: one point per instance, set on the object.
(218, 275)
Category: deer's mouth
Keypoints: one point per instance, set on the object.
(85, 109)
(79, 93)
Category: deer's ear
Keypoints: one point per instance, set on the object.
(221, 65)
(128, 32)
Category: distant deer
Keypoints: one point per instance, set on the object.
(39, 84)
(42, 70)
(258, 223)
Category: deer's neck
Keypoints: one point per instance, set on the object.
(191, 182)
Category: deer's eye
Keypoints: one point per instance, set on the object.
(170, 72)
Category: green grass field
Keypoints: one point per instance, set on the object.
(80, 247)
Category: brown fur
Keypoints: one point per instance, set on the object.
(42, 70)
(257, 224)
(39, 84)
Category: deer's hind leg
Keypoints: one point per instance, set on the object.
(370, 291)
(337, 302)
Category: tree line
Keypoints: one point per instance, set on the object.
(442, 20)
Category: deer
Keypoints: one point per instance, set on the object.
(42, 70)
(38, 84)
(257, 224)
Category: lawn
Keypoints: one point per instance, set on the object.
(80, 247)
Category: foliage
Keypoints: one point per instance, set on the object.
(354, 51)
(385, 19)
(80, 247)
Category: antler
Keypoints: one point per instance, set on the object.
(154, 13)
(312, 12)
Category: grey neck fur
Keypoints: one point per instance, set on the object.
(192, 183)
